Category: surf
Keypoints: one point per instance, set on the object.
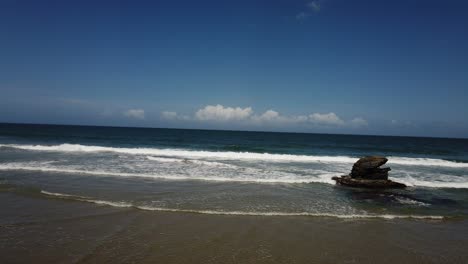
(326, 178)
(229, 155)
(323, 177)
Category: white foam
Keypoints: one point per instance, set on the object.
(87, 199)
(197, 162)
(165, 160)
(326, 178)
(113, 204)
(410, 181)
(228, 155)
(408, 201)
(426, 162)
(184, 153)
(244, 213)
(62, 195)
(257, 177)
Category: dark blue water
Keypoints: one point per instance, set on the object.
(231, 172)
(260, 142)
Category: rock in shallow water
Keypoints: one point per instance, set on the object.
(363, 183)
(369, 168)
(366, 172)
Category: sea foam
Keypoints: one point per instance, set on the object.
(187, 161)
(229, 155)
(325, 178)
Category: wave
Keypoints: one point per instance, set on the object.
(410, 181)
(228, 155)
(244, 213)
(62, 195)
(187, 161)
(426, 162)
(325, 178)
(408, 201)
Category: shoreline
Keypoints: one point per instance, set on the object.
(54, 230)
(243, 213)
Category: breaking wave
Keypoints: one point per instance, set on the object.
(196, 162)
(325, 178)
(228, 155)
(434, 183)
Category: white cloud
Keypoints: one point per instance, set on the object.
(301, 118)
(221, 113)
(135, 113)
(270, 115)
(315, 5)
(326, 119)
(402, 123)
(246, 116)
(359, 122)
(312, 7)
(302, 16)
(169, 115)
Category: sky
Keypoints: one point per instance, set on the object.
(321, 66)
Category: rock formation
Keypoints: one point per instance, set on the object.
(367, 173)
(369, 168)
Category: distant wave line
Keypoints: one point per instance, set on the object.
(229, 155)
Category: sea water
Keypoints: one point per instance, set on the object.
(232, 172)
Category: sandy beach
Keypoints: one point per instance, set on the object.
(58, 231)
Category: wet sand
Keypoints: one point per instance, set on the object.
(56, 231)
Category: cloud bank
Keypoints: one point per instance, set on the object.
(135, 113)
(246, 116)
(221, 113)
(169, 115)
(326, 119)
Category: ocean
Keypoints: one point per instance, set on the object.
(83, 194)
(232, 172)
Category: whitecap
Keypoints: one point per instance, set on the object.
(325, 178)
(228, 155)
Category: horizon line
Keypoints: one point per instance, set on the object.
(228, 130)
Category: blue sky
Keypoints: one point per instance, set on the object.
(326, 66)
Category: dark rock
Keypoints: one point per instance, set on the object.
(366, 172)
(375, 176)
(365, 183)
(359, 171)
(369, 168)
(370, 162)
